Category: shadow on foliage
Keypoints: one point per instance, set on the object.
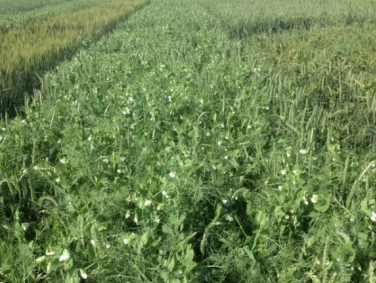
(246, 29)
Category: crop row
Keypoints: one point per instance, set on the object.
(247, 17)
(18, 19)
(34, 48)
(14, 6)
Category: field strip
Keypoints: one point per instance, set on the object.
(13, 6)
(33, 48)
(17, 19)
(242, 18)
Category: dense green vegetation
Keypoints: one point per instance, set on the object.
(178, 150)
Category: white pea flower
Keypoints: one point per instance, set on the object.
(303, 151)
(63, 161)
(147, 202)
(108, 246)
(305, 200)
(314, 198)
(64, 256)
(229, 218)
(127, 214)
(160, 207)
(126, 241)
(373, 217)
(126, 111)
(57, 180)
(93, 243)
(40, 259)
(83, 274)
(280, 188)
(164, 193)
(256, 71)
(49, 253)
(224, 201)
(283, 172)
(172, 175)
(89, 138)
(219, 143)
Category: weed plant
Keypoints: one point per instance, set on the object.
(171, 151)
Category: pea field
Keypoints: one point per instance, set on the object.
(180, 141)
